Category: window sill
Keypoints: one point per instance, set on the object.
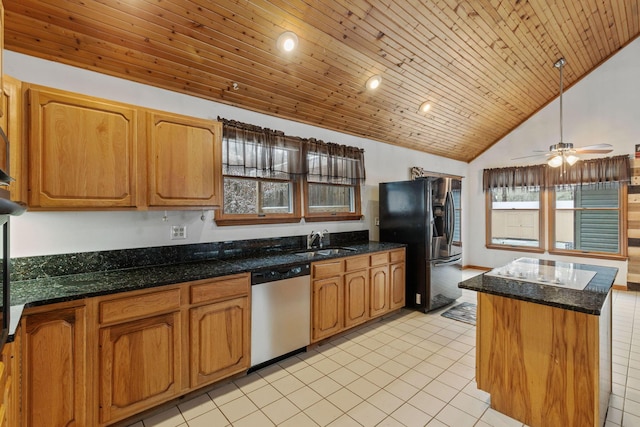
(319, 218)
(516, 248)
(598, 255)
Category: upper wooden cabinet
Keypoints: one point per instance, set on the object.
(1, 49)
(82, 151)
(11, 123)
(184, 160)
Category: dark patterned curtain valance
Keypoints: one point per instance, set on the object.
(512, 177)
(602, 171)
(333, 163)
(252, 151)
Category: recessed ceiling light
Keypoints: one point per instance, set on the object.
(425, 106)
(287, 41)
(374, 82)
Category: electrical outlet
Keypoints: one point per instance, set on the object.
(377, 220)
(178, 232)
(418, 298)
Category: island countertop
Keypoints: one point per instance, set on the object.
(589, 300)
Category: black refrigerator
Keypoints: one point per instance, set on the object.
(425, 215)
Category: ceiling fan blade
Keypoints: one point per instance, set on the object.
(589, 151)
(595, 147)
(542, 154)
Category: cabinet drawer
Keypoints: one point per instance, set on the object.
(212, 290)
(326, 269)
(118, 310)
(380, 258)
(356, 263)
(396, 256)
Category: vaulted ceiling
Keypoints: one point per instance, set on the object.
(485, 66)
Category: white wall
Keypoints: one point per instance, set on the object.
(603, 107)
(45, 233)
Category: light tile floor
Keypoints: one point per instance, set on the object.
(411, 369)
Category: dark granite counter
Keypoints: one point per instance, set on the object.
(588, 300)
(52, 289)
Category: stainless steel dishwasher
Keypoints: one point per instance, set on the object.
(280, 313)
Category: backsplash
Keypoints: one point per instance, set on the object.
(85, 262)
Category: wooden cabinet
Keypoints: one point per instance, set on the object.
(11, 123)
(379, 293)
(10, 382)
(184, 160)
(349, 291)
(82, 151)
(140, 361)
(54, 377)
(1, 51)
(219, 343)
(397, 278)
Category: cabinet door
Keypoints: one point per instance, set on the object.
(220, 340)
(53, 373)
(81, 151)
(11, 123)
(185, 161)
(140, 365)
(397, 285)
(356, 293)
(328, 307)
(379, 290)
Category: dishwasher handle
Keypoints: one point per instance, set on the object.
(279, 273)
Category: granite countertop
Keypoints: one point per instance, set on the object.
(588, 300)
(49, 290)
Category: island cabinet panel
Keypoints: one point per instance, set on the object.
(543, 365)
(184, 160)
(54, 377)
(356, 303)
(327, 307)
(140, 365)
(220, 340)
(397, 277)
(81, 151)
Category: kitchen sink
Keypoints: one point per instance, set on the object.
(311, 253)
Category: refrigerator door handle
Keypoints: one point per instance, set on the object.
(449, 217)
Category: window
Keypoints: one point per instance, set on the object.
(265, 173)
(587, 219)
(515, 218)
(587, 208)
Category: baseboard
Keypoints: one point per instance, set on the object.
(475, 267)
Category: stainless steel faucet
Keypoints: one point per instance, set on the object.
(312, 237)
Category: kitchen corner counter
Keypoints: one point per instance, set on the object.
(50, 290)
(589, 300)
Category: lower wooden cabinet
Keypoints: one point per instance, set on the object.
(219, 340)
(327, 307)
(350, 291)
(140, 365)
(54, 378)
(10, 383)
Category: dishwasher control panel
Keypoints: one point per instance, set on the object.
(279, 273)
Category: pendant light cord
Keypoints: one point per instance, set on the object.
(560, 64)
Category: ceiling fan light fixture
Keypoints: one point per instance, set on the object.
(374, 81)
(287, 41)
(555, 161)
(571, 159)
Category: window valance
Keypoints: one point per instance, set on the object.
(333, 163)
(252, 151)
(601, 171)
(515, 176)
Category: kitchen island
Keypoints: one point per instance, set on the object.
(543, 338)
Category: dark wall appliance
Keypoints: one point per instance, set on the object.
(7, 208)
(422, 214)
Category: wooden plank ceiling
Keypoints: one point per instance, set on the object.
(484, 65)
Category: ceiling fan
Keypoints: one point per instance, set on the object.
(564, 152)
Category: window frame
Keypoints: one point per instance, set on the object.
(332, 216)
(223, 219)
(541, 223)
(622, 228)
